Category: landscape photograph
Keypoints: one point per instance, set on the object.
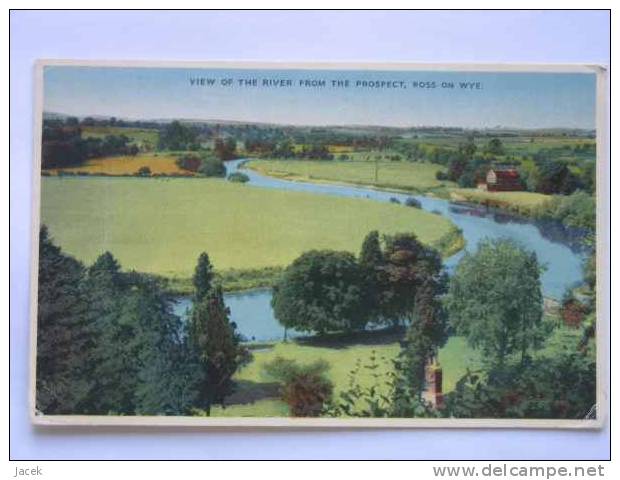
(305, 243)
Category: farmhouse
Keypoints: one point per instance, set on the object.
(502, 179)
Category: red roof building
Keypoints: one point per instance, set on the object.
(504, 180)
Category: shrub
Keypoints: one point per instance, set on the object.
(559, 386)
(144, 171)
(573, 312)
(394, 200)
(413, 202)
(212, 167)
(303, 387)
(441, 175)
(238, 177)
(189, 162)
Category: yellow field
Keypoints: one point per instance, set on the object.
(511, 200)
(340, 149)
(127, 165)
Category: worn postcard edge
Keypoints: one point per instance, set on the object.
(602, 314)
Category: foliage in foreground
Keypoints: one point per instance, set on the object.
(213, 338)
(304, 388)
(561, 386)
(107, 342)
(495, 300)
(383, 397)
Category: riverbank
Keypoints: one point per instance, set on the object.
(576, 211)
(235, 280)
(160, 226)
(240, 280)
(405, 177)
(521, 203)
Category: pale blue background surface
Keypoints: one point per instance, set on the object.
(571, 37)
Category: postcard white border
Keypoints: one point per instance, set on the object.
(228, 423)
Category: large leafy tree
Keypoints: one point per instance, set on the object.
(177, 136)
(554, 176)
(322, 291)
(495, 300)
(408, 265)
(495, 147)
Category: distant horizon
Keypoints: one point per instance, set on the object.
(306, 125)
(396, 99)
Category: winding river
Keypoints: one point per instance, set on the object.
(252, 313)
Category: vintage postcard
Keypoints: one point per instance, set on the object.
(318, 245)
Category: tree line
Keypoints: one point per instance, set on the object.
(109, 344)
(63, 146)
(543, 172)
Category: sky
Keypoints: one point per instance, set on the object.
(402, 99)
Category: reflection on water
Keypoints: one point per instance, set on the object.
(556, 247)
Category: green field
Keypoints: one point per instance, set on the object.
(257, 392)
(136, 135)
(160, 225)
(416, 177)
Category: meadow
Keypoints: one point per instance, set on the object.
(520, 202)
(161, 225)
(257, 393)
(159, 164)
(415, 177)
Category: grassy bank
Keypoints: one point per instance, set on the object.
(577, 211)
(231, 280)
(522, 203)
(409, 176)
(257, 393)
(248, 279)
(160, 225)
